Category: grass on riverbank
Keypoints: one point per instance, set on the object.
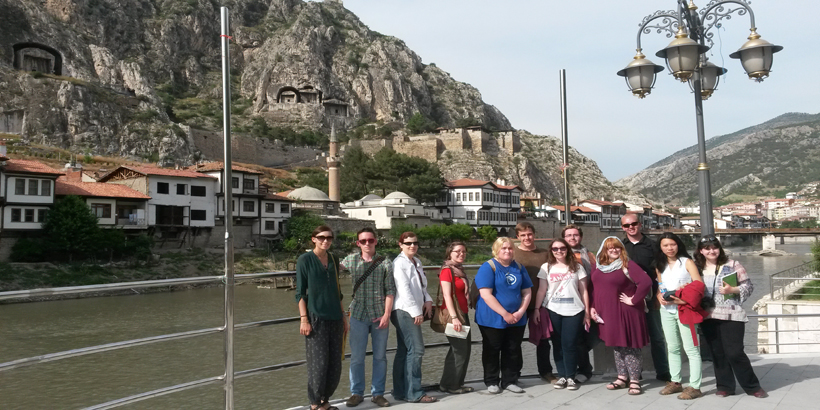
(809, 291)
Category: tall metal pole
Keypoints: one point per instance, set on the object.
(227, 189)
(565, 137)
(707, 226)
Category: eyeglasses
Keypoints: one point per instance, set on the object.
(630, 225)
(709, 238)
(559, 249)
(410, 243)
(613, 249)
(322, 238)
(368, 241)
(460, 252)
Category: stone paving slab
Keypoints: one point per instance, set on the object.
(792, 381)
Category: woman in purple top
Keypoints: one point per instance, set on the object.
(619, 288)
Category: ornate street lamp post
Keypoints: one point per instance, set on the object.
(686, 61)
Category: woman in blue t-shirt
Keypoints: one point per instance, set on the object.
(501, 315)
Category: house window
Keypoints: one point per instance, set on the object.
(248, 184)
(41, 215)
(162, 188)
(182, 189)
(16, 214)
(45, 188)
(247, 206)
(470, 215)
(197, 190)
(101, 210)
(198, 214)
(29, 215)
(458, 197)
(471, 196)
(20, 187)
(284, 208)
(270, 208)
(33, 187)
(234, 182)
(270, 225)
(369, 213)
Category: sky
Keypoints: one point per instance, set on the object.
(512, 52)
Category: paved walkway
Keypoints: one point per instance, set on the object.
(792, 381)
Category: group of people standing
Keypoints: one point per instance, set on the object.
(631, 294)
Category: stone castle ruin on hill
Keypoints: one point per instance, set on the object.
(431, 146)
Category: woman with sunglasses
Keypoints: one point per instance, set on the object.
(501, 314)
(411, 306)
(455, 287)
(724, 327)
(323, 322)
(676, 270)
(567, 302)
(619, 289)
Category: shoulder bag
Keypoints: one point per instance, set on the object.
(441, 317)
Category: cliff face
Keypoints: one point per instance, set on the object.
(776, 156)
(136, 73)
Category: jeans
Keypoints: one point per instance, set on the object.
(501, 353)
(358, 347)
(457, 360)
(725, 340)
(566, 333)
(657, 344)
(679, 337)
(407, 362)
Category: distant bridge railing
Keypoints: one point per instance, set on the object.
(789, 282)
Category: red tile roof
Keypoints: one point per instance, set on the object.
(284, 193)
(219, 166)
(576, 208)
(95, 189)
(30, 167)
(469, 182)
(278, 197)
(182, 173)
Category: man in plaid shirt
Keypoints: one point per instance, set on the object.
(369, 313)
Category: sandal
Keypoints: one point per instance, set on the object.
(634, 388)
(615, 385)
(427, 399)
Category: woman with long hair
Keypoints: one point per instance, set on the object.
(455, 287)
(724, 327)
(676, 270)
(501, 314)
(323, 321)
(412, 304)
(563, 292)
(619, 287)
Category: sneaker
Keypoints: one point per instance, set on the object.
(549, 378)
(494, 389)
(514, 388)
(380, 401)
(560, 383)
(571, 385)
(354, 400)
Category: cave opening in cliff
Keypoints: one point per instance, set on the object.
(37, 57)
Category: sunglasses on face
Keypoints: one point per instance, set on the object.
(368, 241)
(630, 225)
(322, 238)
(410, 243)
(559, 249)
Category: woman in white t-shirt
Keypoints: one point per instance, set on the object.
(563, 292)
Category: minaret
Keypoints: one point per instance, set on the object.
(333, 167)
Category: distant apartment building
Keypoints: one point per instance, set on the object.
(580, 215)
(477, 203)
(114, 205)
(26, 193)
(611, 212)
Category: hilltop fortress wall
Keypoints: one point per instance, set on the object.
(431, 146)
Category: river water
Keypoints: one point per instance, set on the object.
(31, 329)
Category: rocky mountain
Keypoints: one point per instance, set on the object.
(129, 77)
(536, 168)
(778, 155)
(141, 79)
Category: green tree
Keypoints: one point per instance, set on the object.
(418, 124)
(815, 252)
(487, 233)
(71, 228)
(354, 175)
(316, 178)
(392, 171)
(299, 227)
(399, 228)
(459, 232)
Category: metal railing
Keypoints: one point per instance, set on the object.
(775, 318)
(785, 283)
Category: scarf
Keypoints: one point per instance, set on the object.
(614, 265)
(458, 272)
